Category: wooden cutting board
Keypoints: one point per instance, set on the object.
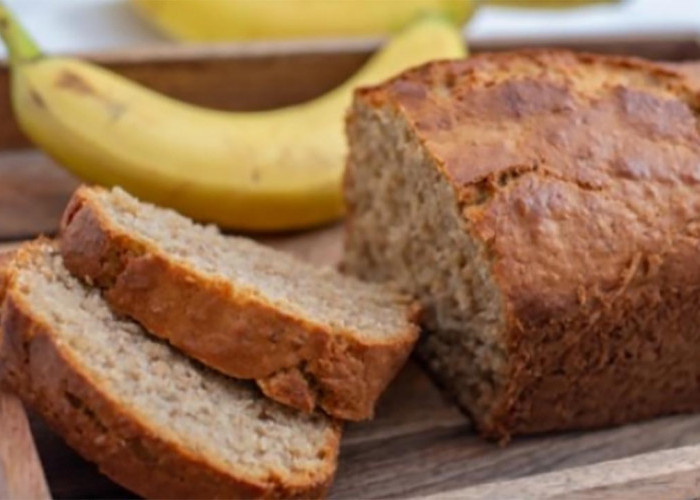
(418, 445)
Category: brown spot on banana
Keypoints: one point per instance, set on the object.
(36, 99)
(72, 81)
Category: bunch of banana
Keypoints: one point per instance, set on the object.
(219, 20)
(268, 170)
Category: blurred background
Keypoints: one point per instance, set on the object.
(86, 25)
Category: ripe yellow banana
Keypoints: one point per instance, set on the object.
(267, 170)
(218, 20)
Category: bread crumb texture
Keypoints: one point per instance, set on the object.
(318, 292)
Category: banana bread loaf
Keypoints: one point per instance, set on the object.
(544, 206)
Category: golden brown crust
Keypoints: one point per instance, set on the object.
(580, 174)
(5, 258)
(235, 332)
(125, 448)
(290, 387)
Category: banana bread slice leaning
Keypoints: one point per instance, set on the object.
(543, 206)
(309, 336)
(153, 420)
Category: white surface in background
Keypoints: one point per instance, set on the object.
(629, 17)
(82, 25)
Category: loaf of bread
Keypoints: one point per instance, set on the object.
(153, 420)
(309, 336)
(544, 206)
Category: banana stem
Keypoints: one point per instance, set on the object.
(20, 46)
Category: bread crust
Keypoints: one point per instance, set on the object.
(579, 175)
(293, 360)
(5, 259)
(126, 448)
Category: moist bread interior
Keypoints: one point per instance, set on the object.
(317, 292)
(211, 415)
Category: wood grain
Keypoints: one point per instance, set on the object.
(668, 474)
(33, 193)
(21, 474)
(450, 456)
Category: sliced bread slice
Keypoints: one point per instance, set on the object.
(310, 336)
(153, 420)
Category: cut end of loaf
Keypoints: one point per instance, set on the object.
(403, 227)
(137, 389)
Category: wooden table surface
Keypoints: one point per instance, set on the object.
(420, 444)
